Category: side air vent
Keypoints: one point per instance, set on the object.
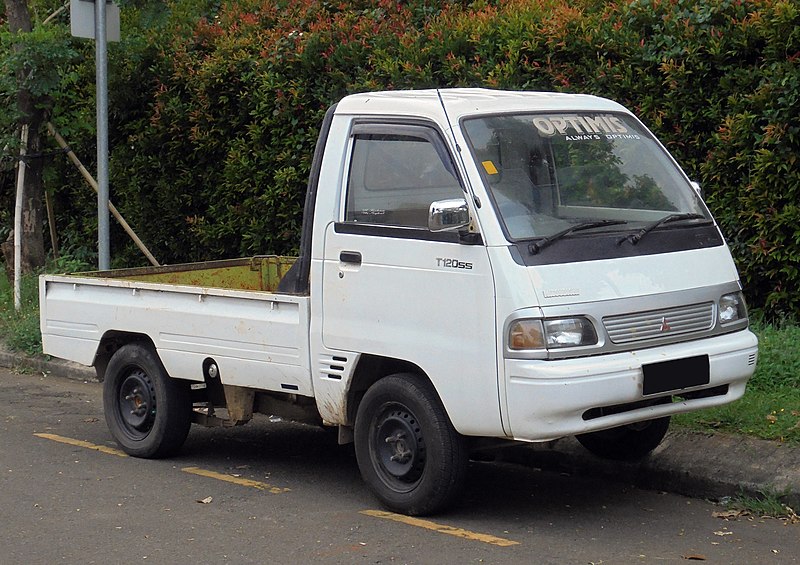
(333, 367)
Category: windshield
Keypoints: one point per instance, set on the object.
(548, 172)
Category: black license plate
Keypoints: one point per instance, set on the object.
(676, 374)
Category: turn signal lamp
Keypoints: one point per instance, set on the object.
(526, 335)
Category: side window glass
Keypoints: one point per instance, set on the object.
(394, 179)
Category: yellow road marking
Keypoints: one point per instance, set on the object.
(235, 480)
(442, 529)
(85, 444)
(193, 470)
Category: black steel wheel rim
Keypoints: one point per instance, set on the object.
(398, 448)
(137, 404)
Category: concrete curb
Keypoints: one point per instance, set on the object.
(51, 366)
(690, 463)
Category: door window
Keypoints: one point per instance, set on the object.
(394, 177)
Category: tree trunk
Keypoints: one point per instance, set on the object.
(34, 112)
(19, 18)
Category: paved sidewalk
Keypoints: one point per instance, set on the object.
(686, 462)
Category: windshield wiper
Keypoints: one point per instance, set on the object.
(635, 237)
(535, 246)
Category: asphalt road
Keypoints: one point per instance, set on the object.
(272, 492)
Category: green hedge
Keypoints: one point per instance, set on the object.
(217, 107)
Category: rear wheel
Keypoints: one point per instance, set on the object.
(407, 450)
(626, 443)
(147, 411)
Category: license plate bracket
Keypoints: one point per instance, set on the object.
(676, 374)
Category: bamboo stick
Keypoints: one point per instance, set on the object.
(51, 222)
(18, 219)
(93, 184)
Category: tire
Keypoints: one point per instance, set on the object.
(626, 443)
(148, 412)
(407, 450)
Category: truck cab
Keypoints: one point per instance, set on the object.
(586, 286)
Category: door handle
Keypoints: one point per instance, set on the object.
(353, 257)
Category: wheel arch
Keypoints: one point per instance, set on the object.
(111, 341)
(371, 369)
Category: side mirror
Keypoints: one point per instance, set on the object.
(697, 188)
(448, 215)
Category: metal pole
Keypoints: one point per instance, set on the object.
(101, 62)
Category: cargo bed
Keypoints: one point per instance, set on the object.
(225, 310)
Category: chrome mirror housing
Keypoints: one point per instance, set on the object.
(448, 215)
(697, 188)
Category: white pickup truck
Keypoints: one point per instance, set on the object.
(474, 266)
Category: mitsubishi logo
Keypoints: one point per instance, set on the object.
(665, 327)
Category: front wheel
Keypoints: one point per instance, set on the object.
(148, 412)
(407, 450)
(626, 443)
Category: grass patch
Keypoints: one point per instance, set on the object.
(768, 503)
(770, 409)
(20, 330)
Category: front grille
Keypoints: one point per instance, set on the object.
(659, 324)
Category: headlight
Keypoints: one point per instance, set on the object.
(531, 334)
(732, 308)
(569, 332)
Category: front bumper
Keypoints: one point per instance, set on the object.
(546, 400)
